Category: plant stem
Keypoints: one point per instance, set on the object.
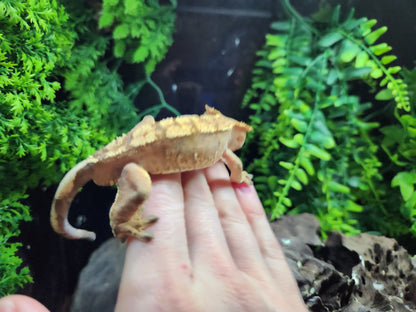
(291, 11)
(163, 102)
(155, 110)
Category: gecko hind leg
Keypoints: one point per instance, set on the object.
(126, 215)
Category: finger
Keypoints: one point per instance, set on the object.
(20, 303)
(168, 250)
(269, 245)
(238, 233)
(166, 202)
(206, 239)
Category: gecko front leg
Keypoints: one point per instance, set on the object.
(236, 168)
(126, 215)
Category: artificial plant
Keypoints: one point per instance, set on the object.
(142, 29)
(318, 146)
(61, 98)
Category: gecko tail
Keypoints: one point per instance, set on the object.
(67, 189)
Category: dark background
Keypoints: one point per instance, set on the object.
(210, 62)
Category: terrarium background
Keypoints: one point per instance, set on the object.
(209, 62)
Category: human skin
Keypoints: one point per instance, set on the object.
(213, 250)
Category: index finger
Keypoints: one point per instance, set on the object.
(168, 248)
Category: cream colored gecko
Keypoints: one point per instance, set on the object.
(176, 144)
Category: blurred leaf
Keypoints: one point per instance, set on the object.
(317, 152)
(299, 125)
(306, 163)
(352, 73)
(121, 31)
(373, 36)
(302, 176)
(381, 48)
(384, 95)
(388, 59)
(406, 181)
(330, 39)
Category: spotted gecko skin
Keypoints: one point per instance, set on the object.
(176, 144)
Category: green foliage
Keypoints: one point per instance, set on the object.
(142, 29)
(93, 86)
(317, 145)
(61, 98)
(34, 40)
(11, 273)
(399, 143)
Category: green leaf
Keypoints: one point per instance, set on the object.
(282, 181)
(337, 187)
(121, 31)
(381, 48)
(349, 51)
(330, 39)
(353, 207)
(286, 165)
(320, 137)
(131, 6)
(394, 69)
(317, 152)
(408, 209)
(384, 81)
(296, 185)
(302, 176)
(376, 73)
(373, 36)
(287, 202)
(352, 23)
(299, 125)
(289, 142)
(299, 138)
(405, 180)
(367, 25)
(361, 59)
(352, 73)
(332, 77)
(348, 56)
(140, 54)
(299, 60)
(335, 15)
(20, 151)
(280, 26)
(275, 40)
(106, 19)
(119, 48)
(111, 3)
(388, 59)
(306, 163)
(384, 95)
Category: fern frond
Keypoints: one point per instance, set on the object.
(309, 123)
(142, 30)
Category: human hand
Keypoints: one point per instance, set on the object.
(20, 303)
(213, 251)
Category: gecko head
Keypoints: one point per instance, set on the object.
(238, 135)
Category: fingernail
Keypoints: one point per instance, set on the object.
(242, 187)
(7, 306)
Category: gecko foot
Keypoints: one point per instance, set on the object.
(246, 177)
(135, 227)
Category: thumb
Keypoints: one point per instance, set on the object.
(20, 303)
